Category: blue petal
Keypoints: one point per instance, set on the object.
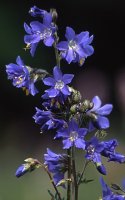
(70, 33)
(70, 56)
(37, 26)
(65, 90)
(62, 45)
(67, 78)
(67, 144)
(97, 103)
(52, 92)
(57, 73)
(27, 28)
(33, 48)
(80, 143)
(88, 50)
(28, 39)
(19, 61)
(47, 19)
(103, 122)
(105, 110)
(80, 38)
(48, 41)
(49, 81)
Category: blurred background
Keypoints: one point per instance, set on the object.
(103, 74)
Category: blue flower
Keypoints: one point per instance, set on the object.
(36, 12)
(97, 114)
(47, 120)
(58, 83)
(107, 193)
(21, 76)
(57, 164)
(109, 151)
(93, 153)
(38, 31)
(77, 47)
(72, 135)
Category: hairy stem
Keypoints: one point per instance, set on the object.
(56, 50)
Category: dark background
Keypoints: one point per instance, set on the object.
(102, 74)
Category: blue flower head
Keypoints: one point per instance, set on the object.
(20, 75)
(72, 135)
(58, 83)
(38, 31)
(109, 151)
(57, 164)
(77, 47)
(97, 114)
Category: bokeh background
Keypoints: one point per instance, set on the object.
(103, 74)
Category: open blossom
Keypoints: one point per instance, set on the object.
(77, 47)
(58, 83)
(108, 194)
(97, 114)
(57, 164)
(72, 135)
(20, 74)
(38, 31)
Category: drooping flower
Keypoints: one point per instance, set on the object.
(109, 151)
(38, 31)
(72, 135)
(97, 114)
(58, 83)
(77, 47)
(20, 75)
(47, 120)
(108, 194)
(93, 153)
(57, 164)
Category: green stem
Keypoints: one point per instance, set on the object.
(75, 185)
(51, 179)
(56, 50)
(69, 175)
(83, 171)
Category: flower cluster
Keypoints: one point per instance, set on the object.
(77, 122)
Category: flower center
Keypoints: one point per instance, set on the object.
(46, 33)
(73, 45)
(73, 135)
(59, 85)
(90, 149)
(19, 79)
